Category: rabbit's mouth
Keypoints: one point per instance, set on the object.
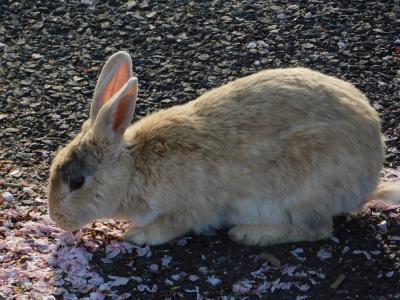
(67, 226)
(64, 224)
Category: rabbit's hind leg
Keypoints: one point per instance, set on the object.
(315, 227)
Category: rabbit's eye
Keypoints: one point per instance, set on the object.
(76, 182)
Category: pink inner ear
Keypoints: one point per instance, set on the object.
(121, 76)
(123, 110)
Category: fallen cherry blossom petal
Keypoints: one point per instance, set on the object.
(297, 252)
(183, 241)
(303, 287)
(278, 285)
(144, 287)
(168, 282)
(288, 270)
(117, 280)
(214, 281)
(324, 254)
(242, 287)
(178, 276)
(96, 296)
(193, 277)
(166, 260)
(153, 267)
(144, 251)
(261, 271)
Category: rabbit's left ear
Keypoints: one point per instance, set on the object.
(114, 75)
(115, 116)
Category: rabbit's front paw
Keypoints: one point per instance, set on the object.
(150, 234)
(161, 231)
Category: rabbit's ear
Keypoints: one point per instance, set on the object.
(115, 73)
(115, 116)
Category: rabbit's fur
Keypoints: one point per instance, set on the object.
(273, 155)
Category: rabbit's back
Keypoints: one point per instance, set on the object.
(285, 97)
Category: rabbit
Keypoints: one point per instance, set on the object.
(272, 157)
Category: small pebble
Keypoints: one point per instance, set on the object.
(389, 274)
(15, 173)
(204, 57)
(252, 45)
(338, 281)
(203, 270)
(27, 190)
(383, 226)
(7, 196)
(36, 56)
(345, 249)
(335, 239)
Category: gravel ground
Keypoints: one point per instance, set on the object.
(50, 56)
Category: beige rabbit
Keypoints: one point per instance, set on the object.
(273, 155)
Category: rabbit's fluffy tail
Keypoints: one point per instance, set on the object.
(388, 192)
